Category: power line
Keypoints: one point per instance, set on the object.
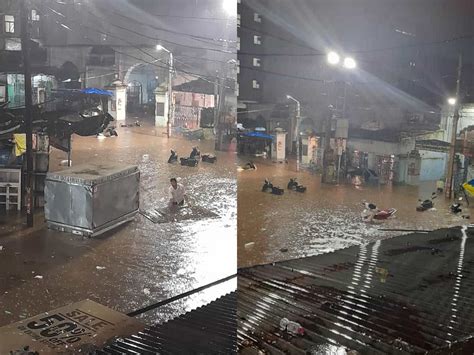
(167, 41)
(134, 57)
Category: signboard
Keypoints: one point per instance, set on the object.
(81, 326)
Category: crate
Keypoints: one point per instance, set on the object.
(10, 188)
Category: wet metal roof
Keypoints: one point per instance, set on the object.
(410, 294)
(210, 329)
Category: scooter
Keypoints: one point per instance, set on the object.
(371, 212)
(195, 153)
(426, 204)
(189, 162)
(173, 157)
(293, 185)
(209, 158)
(456, 207)
(249, 166)
(268, 187)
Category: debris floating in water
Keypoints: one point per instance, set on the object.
(38, 277)
(1, 247)
(146, 291)
(250, 245)
(100, 267)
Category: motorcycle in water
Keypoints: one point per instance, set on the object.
(456, 207)
(195, 153)
(249, 166)
(293, 185)
(371, 212)
(173, 157)
(189, 162)
(268, 187)
(209, 158)
(426, 204)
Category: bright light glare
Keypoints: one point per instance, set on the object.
(333, 58)
(159, 47)
(452, 101)
(230, 7)
(350, 63)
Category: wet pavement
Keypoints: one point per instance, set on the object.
(406, 295)
(139, 263)
(324, 218)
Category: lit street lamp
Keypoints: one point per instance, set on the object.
(349, 63)
(230, 7)
(297, 123)
(333, 58)
(159, 47)
(452, 101)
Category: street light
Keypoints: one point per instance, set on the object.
(230, 7)
(333, 58)
(349, 63)
(159, 47)
(452, 101)
(298, 116)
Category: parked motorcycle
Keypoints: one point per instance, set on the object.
(209, 158)
(456, 207)
(268, 187)
(371, 212)
(249, 166)
(427, 204)
(173, 157)
(293, 185)
(195, 153)
(189, 162)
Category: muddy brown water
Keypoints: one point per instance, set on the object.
(325, 217)
(139, 263)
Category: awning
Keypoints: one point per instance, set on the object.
(258, 135)
(432, 145)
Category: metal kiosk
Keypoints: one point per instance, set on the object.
(91, 199)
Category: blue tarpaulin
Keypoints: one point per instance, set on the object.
(258, 135)
(95, 91)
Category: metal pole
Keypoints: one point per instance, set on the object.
(170, 96)
(297, 128)
(452, 150)
(25, 47)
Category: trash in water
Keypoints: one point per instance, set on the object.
(1, 247)
(100, 267)
(249, 245)
(291, 327)
(38, 277)
(283, 250)
(146, 291)
(7, 312)
(65, 163)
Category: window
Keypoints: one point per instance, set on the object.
(9, 24)
(255, 84)
(257, 39)
(12, 44)
(238, 43)
(256, 62)
(238, 66)
(257, 17)
(34, 15)
(103, 37)
(238, 20)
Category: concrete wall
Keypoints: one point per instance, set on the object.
(433, 165)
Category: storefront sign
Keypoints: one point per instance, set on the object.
(84, 325)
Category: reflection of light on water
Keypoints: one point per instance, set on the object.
(457, 287)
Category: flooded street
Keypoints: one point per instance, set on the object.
(324, 218)
(139, 263)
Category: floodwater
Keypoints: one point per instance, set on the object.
(324, 218)
(137, 264)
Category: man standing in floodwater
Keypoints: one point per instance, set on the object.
(177, 193)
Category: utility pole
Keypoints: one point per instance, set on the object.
(452, 148)
(25, 48)
(297, 134)
(327, 143)
(170, 95)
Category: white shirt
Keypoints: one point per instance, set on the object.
(177, 195)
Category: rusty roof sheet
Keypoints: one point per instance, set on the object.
(210, 329)
(406, 295)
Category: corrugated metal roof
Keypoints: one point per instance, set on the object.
(210, 329)
(406, 295)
